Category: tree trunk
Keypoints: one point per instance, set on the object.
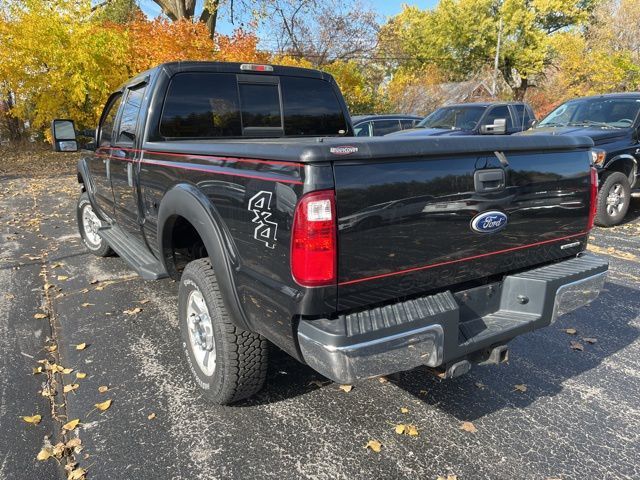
(210, 16)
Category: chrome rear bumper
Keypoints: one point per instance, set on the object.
(435, 330)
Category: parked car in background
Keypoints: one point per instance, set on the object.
(379, 125)
(502, 118)
(613, 123)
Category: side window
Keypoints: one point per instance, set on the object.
(130, 111)
(523, 115)
(362, 130)
(382, 127)
(201, 105)
(108, 121)
(405, 124)
(498, 112)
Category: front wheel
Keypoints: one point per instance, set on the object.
(88, 224)
(229, 364)
(614, 197)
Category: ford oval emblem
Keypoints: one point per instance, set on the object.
(489, 222)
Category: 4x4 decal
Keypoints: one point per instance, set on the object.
(265, 231)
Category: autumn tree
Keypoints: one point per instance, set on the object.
(57, 61)
(461, 36)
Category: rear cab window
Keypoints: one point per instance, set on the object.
(212, 105)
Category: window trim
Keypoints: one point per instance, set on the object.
(127, 91)
(113, 98)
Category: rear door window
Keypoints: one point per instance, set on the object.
(405, 124)
(382, 127)
(130, 111)
(523, 115)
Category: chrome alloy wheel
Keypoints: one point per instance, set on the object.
(201, 333)
(90, 224)
(615, 199)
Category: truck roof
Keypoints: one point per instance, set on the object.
(231, 67)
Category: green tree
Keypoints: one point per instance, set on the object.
(460, 37)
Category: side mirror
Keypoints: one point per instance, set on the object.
(63, 133)
(533, 123)
(499, 127)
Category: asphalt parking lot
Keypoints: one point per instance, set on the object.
(574, 415)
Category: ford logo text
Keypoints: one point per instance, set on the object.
(489, 222)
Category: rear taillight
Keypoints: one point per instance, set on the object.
(593, 205)
(313, 240)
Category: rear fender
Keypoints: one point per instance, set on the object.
(186, 201)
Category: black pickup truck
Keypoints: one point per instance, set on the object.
(357, 256)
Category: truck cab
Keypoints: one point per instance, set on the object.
(480, 118)
(613, 122)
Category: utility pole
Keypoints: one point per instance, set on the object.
(496, 61)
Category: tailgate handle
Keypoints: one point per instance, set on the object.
(489, 180)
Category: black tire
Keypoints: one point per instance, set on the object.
(241, 356)
(608, 217)
(100, 248)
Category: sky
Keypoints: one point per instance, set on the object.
(386, 8)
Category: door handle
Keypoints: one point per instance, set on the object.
(489, 180)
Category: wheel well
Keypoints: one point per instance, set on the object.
(181, 244)
(624, 165)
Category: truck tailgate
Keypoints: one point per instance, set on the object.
(413, 225)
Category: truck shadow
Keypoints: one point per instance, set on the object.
(541, 360)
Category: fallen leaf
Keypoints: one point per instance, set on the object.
(448, 477)
(468, 427)
(94, 281)
(133, 311)
(590, 340)
(87, 304)
(570, 331)
(40, 316)
(51, 348)
(47, 286)
(81, 375)
(73, 443)
(520, 388)
(103, 389)
(423, 392)
(67, 371)
(142, 302)
(33, 419)
(346, 388)
(44, 454)
(102, 406)
(81, 346)
(37, 370)
(400, 428)
(151, 416)
(71, 425)
(383, 379)
(373, 445)
(70, 388)
(481, 385)
(404, 410)
(412, 431)
(77, 474)
(577, 346)
(62, 278)
(58, 450)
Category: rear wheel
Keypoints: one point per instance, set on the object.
(229, 364)
(88, 224)
(614, 197)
